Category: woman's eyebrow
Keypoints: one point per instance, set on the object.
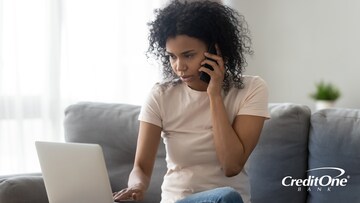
(187, 52)
(183, 53)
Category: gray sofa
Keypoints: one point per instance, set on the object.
(294, 146)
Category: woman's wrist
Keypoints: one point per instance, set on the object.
(215, 97)
(139, 186)
(138, 179)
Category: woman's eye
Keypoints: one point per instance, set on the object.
(189, 56)
(171, 56)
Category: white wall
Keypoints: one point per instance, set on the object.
(298, 43)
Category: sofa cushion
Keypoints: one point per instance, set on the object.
(335, 142)
(280, 152)
(15, 189)
(115, 127)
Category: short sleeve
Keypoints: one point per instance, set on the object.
(150, 110)
(256, 101)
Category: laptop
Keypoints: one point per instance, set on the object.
(74, 172)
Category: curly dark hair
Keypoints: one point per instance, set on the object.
(208, 21)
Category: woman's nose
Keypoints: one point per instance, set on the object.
(181, 66)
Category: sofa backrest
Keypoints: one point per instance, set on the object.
(334, 145)
(115, 128)
(280, 152)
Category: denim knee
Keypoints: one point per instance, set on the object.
(229, 195)
(217, 195)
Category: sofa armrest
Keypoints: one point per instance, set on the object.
(23, 188)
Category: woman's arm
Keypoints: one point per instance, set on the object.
(235, 141)
(139, 179)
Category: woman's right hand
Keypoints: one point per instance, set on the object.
(139, 178)
(134, 193)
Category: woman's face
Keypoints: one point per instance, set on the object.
(185, 55)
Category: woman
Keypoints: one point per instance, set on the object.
(209, 127)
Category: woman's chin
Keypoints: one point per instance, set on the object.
(197, 85)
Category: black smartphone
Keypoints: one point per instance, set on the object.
(204, 76)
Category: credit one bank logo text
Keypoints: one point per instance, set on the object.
(323, 182)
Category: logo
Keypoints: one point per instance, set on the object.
(319, 183)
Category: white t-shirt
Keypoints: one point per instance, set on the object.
(185, 118)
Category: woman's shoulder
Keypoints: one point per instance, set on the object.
(251, 80)
(165, 86)
(255, 85)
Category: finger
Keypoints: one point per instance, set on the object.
(213, 56)
(127, 194)
(213, 64)
(137, 196)
(206, 70)
(120, 198)
(120, 192)
(217, 68)
(219, 60)
(213, 74)
(122, 195)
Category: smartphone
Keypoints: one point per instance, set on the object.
(204, 76)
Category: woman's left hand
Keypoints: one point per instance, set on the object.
(217, 75)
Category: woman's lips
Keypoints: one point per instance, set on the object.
(187, 78)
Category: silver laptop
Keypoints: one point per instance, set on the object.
(74, 172)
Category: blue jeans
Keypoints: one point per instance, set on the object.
(217, 195)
